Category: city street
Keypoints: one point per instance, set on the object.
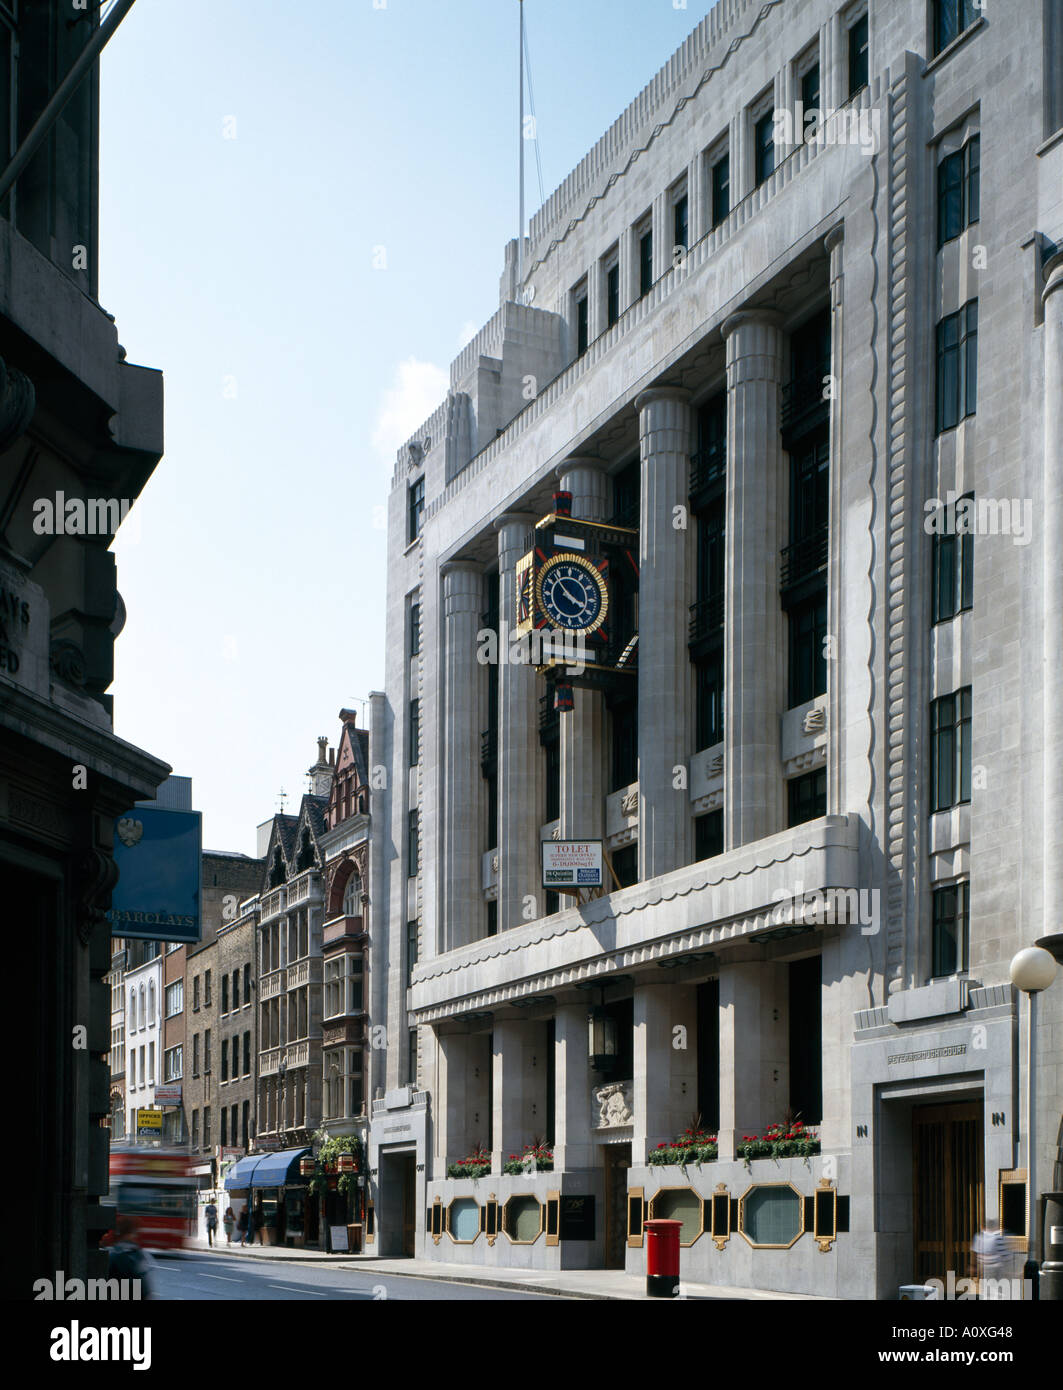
(193, 1276)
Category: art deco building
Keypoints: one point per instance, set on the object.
(763, 359)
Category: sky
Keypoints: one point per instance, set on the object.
(304, 209)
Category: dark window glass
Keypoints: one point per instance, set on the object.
(411, 1056)
(247, 985)
(951, 921)
(808, 660)
(582, 326)
(415, 733)
(956, 378)
(680, 222)
(626, 866)
(415, 629)
(708, 835)
(246, 1120)
(764, 147)
(612, 295)
(806, 1039)
(627, 486)
(712, 554)
(810, 491)
(810, 90)
(952, 561)
(959, 190)
(858, 57)
(411, 949)
(492, 919)
(807, 796)
(553, 779)
(416, 513)
(973, 178)
(247, 1054)
(625, 744)
(646, 263)
(224, 1127)
(225, 994)
(412, 844)
(951, 18)
(950, 750)
(721, 190)
(710, 700)
(224, 1063)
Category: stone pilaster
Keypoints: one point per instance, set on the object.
(518, 1078)
(665, 1093)
(665, 587)
(754, 641)
(754, 1051)
(573, 1143)
(835, 244)
(1052, 500)
(520, 765)
(461, 1100)
(463, 908)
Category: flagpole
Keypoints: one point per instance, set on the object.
(520, 133)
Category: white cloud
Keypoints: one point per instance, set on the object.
(418, 389)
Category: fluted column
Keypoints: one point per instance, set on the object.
(518, 1079)
(835, 244)
(583, 726)
(1052, 500)
(463, 908)
(573, 1144)
(754, 641)
(520, 764)
(665, 1089)
(665, 679)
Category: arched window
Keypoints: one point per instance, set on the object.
(276, 873)
(132, 1010)
(151, 1001)
(143, 1008)
(352, 895)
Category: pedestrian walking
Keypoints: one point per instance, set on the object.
(210, 1211)
(241, 1227)
(126, 1259)
(228, 1221)
(994, 1259)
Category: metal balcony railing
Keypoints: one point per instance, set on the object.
(708, 466)
(803, 401)
(803, 559)
(706, 617)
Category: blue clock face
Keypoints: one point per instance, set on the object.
(571, 597)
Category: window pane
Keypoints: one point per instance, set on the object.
(646, 263)
(810, 89)
(721, 189)
(858, 56)
(971, 358)
(764, 146)
(974, 179)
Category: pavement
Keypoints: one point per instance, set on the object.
(567, 1283)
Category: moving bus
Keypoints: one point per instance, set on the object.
(156, 1187)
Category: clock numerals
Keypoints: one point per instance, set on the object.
(571, 593)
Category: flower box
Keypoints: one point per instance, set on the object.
(535, 1158)
(694, 1146)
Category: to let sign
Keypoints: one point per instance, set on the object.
(569, 865)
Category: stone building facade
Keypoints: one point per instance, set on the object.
(776, 357)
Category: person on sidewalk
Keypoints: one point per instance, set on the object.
(241, 1227)
(228, 1221)
(259, 1226)
(210, 1211)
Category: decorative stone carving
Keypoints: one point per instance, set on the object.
(815, 721)
(716, 766)
(615, 1105)
(18, 401)
(97, 875)
(629, 803)
(68, 663)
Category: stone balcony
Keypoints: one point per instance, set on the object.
(271, 986)
(297, 1054)
(273, 904)
(341, 929)
(269, 1062)
(305, 888)
(304, 972)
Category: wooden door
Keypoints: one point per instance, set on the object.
(617, 1163)
(948, 1201)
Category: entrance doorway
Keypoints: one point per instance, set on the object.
(617, 1163)
(949, 1188)
(397, 1205)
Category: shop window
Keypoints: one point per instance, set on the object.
(772, 1216)
(679, 1204)
(522, 1220)
(463, 1220)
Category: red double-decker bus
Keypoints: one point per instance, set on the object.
(156, 1187)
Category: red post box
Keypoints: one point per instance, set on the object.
(662, 1258)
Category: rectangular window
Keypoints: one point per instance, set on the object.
(810, 89)
(951, 18)
(956, 379)
(582, 326)
(625, 866)
(224, 1127)
(952, 566)
(808, 650)
(625, 720)
(612, 295)
(415, 509)
(225, 994)
(247, 1053)
(959, 190)
(206, 1126)
(245, 1141)
(413, 843)
(175, 998)
(415, 629)
(646, 262)
(492, 918)
(195, 1054)
(151, 1064)
(411, 949)
(173, 1065)
(206, 989)
(721, 190)
(951, 923)
(710, 700)
(681, 222)
(333, 982)
(195, 995)
(552, 751)
(225, 1059)
(708, 835)
(236, 990)
(807, 796)
(950, 750)
(206, 1051)
(247, 986)
(414, 748)
(858, 56)
(411, 1056)
(764, 148)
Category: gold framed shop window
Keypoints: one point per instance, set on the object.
(1013, 1204)
(435, 1226)
(464, 1222)
(491, 1219)
(553, 1218)
(679, 1204)
(636, 1216)
(825, 1215)
(720, 1228)
(771, 1215)
(522, 1219)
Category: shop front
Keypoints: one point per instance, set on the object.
(277, 1195)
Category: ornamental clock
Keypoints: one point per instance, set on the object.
(572, 592)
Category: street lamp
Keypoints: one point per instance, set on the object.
(1032, 970)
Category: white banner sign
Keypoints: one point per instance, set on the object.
(572, 864)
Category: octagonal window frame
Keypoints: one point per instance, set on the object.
(463, 1197)
(679, 1187)
(522, 1197)
(755, 1187)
